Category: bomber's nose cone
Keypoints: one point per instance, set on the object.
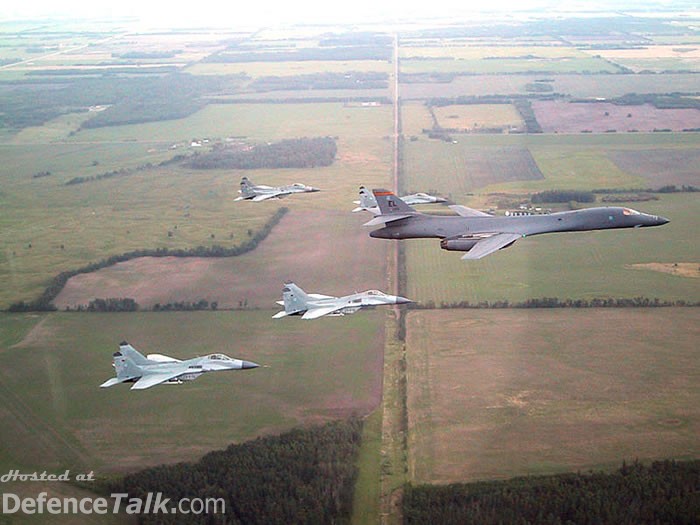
(662, 220)
(249, 364)
(402, 300)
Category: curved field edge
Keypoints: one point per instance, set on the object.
(45, 301)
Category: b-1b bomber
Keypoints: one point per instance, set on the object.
(480, 234)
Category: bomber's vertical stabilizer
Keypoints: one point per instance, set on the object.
(390, 204)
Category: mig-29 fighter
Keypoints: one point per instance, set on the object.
(368, 203)
(256, 193)
(156, 369)
(312, 306)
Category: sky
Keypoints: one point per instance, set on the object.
(277, 12)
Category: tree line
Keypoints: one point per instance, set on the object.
(288, 153)
(124, 171)
(45, 300)
(562, 196)
(663, 492)
(306, 475)
(555, 302)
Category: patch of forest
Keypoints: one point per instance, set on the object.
(303, 476)
(131, 99)
(288, 153)
(663, 492)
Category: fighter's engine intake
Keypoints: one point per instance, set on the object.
(458, 245)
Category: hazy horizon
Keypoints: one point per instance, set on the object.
(276, 12)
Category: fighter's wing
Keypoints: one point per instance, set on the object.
(156, 378)
(266, 196)
(491, 244)
(320, 296)
(114, 381)
(315, 313)
(467, 212)
(160, 358)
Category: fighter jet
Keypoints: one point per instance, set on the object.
(256, 193)
(156, 369)
(368, 203)
(480, 234)
(312, 305)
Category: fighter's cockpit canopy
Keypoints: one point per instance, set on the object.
(375, 292)
(218, 357)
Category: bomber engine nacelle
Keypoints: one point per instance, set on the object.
(458, 245)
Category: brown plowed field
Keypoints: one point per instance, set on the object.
(323, 252)
(557, 116)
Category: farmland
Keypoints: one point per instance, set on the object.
(587, 86)
(237, 281)
(565, 117)
(54, 414)
(481, 405)
(474, 117)
(452, 394)
(138, 210)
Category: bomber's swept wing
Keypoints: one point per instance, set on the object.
(156, 378)
(491, 244)
(467, 212)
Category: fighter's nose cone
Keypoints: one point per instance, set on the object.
(402, 300)
(662, 220)
(314, 189)
(249, 364)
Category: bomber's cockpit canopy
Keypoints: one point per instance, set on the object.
(630, 211)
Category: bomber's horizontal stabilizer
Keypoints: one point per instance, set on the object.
(384, 219)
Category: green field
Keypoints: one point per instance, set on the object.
(284, 69)
(575, 85)
(55, 416)
(508, 65)
(574, 265)
(75, 225)
(473, 117)
(566, 161)
(496, 394)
